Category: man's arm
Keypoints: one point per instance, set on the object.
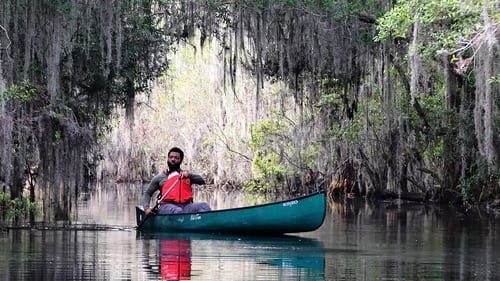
(153, 186)
(196, 179)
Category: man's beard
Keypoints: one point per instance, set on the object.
(174, 167)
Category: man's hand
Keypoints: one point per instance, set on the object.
(184, 174)
(148, 211)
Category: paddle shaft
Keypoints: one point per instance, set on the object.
(158, 201)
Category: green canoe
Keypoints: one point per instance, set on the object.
(300, 214)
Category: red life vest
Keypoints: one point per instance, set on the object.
(181, 193)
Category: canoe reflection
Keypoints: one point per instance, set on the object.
(183, 256)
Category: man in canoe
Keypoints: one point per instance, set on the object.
(174, 184)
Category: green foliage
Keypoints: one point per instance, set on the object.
(479, 180)
(334, 105)
(394, 23)
(144, 45)
(434, 151)
(16, 208)
(24, 92)
(309, 155)
(470, 187)
(435, 107)
(57, 137)
(329, 97)
(268, 163)
(57, 115)
(337, 10)
(259, 184)
(445, 23)
(266, 132)
(4, 198)
(269, 166)
(494, 79)
(352, 133)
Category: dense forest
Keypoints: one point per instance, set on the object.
(362, 98)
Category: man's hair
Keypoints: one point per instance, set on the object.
(178, 150)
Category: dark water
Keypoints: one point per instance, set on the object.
(358, 241)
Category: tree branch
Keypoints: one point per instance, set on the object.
(6, 34)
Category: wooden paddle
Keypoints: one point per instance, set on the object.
(157, 205)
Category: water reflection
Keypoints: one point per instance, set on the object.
(358, 241)
(175, 259)
(68, 255)
(229, 257)
(387, 241)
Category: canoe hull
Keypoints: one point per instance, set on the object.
(301, 214)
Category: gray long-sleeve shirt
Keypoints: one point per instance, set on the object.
(159, 180)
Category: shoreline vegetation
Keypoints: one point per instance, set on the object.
(16, 213)
(381, 99)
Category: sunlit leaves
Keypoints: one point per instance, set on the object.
(434, 152)
(494, 79)
(434, 106)
(23, 92)
(267, 136)
(17, 207)
(395, 23)
(445, 24)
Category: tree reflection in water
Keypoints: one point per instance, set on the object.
(359, 240)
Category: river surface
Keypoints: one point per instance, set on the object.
(358, 241)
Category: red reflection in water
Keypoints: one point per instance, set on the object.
(175, 259)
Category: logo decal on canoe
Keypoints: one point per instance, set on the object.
(290, 203)
(195, 217)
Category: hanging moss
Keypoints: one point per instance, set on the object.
(75, 62)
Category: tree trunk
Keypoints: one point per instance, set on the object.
(451, 169)
(486, 110)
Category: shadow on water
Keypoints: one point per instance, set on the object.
(232, 257)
